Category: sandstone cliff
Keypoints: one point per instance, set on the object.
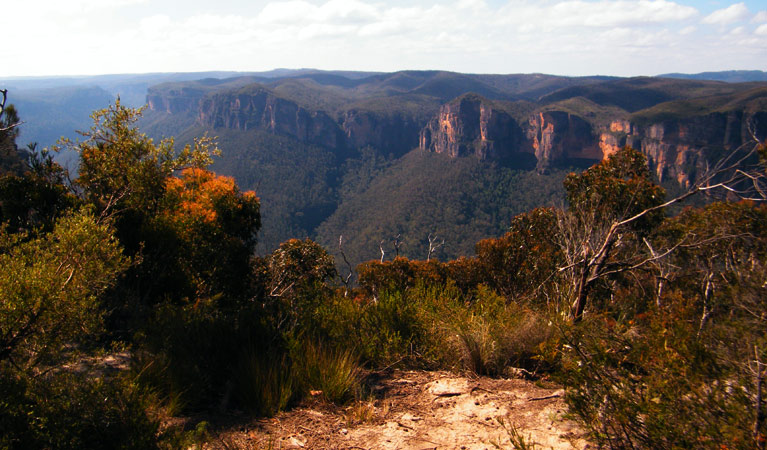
(471, 125)
(174, 101)
(260, 109)
(679, 145)
(677, 148)
(682, 148)
(555, 136)
(393, 134)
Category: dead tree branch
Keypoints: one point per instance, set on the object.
(433, 245)
(8, 127)
(344, 280)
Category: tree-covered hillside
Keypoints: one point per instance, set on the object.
(459, 201)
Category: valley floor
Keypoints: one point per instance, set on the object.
(416, 410)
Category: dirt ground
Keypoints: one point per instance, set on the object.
(414, 410)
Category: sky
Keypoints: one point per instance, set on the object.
(562, 37)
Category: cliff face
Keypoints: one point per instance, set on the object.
(261, 109)
(471, 126)
(178, 101)
(681, 149)
(395, 134)
(555, 136)
(392, 134)
(677, 147)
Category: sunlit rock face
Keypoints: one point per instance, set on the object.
(678, 148)
(260, 109)
(681, 149)
(472, 126)
(555, 136)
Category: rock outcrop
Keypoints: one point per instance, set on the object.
(682, 148)
(471, 125)
(174, 101)
(555, 136)
(391, 134)
(260, 109)
(678, 147)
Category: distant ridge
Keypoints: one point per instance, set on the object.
(728, 76)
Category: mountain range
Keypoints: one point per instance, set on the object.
(379, 157)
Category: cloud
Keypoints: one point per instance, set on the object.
(286, 13)
(554, 36)
(737, 31)
(299, 12)
(58, 7)
(725, 16)
(348, 12)
(604, 13)
(761, 16)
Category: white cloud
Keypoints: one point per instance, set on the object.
(554, 36)
(604, 13)
(59, 7)
(299, 12)
(761, 16)
(733, 13)
(348, 11)
(285, 13)
(737, 31)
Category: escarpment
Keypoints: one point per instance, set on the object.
(260, 109)
(680, 138)
(677, 148)
(393, 134)
(681, 149)
(472, 126)
(174, 101)
(557, 136)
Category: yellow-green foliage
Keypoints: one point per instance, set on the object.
(334, 372)
(50, 287)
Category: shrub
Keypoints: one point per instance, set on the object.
(264, 384)
(653, 384)
(488, 335)
(72, 411)
(333, 371)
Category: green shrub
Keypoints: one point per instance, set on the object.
(72, 411)
(653, 384)
(333, 371)
(488, 334)
(264, 385)
(193, 355)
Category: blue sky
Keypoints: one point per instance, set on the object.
(566, 37)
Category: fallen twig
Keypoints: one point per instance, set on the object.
(547, 397)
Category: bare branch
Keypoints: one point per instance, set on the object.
(9, 127)
(433, 245)
(345, 281)
(397, 243)
(380, 247)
